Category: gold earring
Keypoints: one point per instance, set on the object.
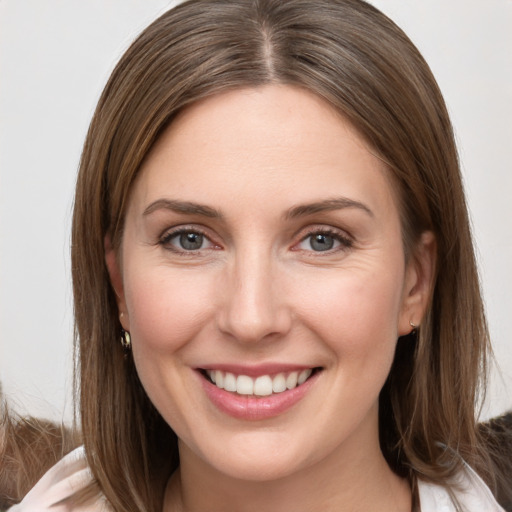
(126, 340)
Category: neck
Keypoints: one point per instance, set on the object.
(355, 477)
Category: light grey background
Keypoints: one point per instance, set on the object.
(55, 56)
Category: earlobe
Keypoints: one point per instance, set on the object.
(418, 283)
(116, 280)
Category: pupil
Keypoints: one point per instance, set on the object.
(322, 242)
(191, 241)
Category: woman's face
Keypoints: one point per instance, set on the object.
(262, 248)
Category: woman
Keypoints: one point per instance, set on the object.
(269, 210)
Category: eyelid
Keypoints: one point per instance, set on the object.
(346, 240)
(174, 231)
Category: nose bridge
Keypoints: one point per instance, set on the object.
(254, 307)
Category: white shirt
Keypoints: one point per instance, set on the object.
(473, 495)
(72, 474)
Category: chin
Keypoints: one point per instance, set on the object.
(261, 469)
(260, 457)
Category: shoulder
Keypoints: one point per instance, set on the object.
(59, 484)
(470, 492)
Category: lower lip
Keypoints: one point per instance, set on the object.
(252, 408)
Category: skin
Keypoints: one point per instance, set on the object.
(257, 292)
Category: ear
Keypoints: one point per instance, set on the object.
(116, 280)
(418, 283)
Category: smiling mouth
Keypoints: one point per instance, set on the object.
(261, 386)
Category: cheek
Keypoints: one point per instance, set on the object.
(356, 312)
(165, 308)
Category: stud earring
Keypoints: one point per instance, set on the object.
(414, 327)
(126, 340)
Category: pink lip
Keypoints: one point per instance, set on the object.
(252, 408)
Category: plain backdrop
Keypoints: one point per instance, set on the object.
(55, 57)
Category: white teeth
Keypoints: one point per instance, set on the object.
(291, 380)
(264, 385)
(230, 382)
(303, 376)
(219, 378)
(279, 383)
(244, 385)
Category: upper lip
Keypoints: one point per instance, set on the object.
(256, 370)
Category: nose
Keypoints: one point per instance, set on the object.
(255, 305)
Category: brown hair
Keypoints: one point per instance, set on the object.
(359, 61)
(497, 434)
(28, 448)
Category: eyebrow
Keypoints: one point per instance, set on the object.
(190, 208)
(325, 206)
(185, 207)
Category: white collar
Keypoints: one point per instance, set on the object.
(469, 490)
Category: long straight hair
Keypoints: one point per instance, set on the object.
(360, 62)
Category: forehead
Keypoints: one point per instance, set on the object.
(275, 140)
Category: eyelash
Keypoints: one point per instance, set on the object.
(344, 241)
(165, 240)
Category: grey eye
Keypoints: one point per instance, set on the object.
(321, 242)
(191, 241)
